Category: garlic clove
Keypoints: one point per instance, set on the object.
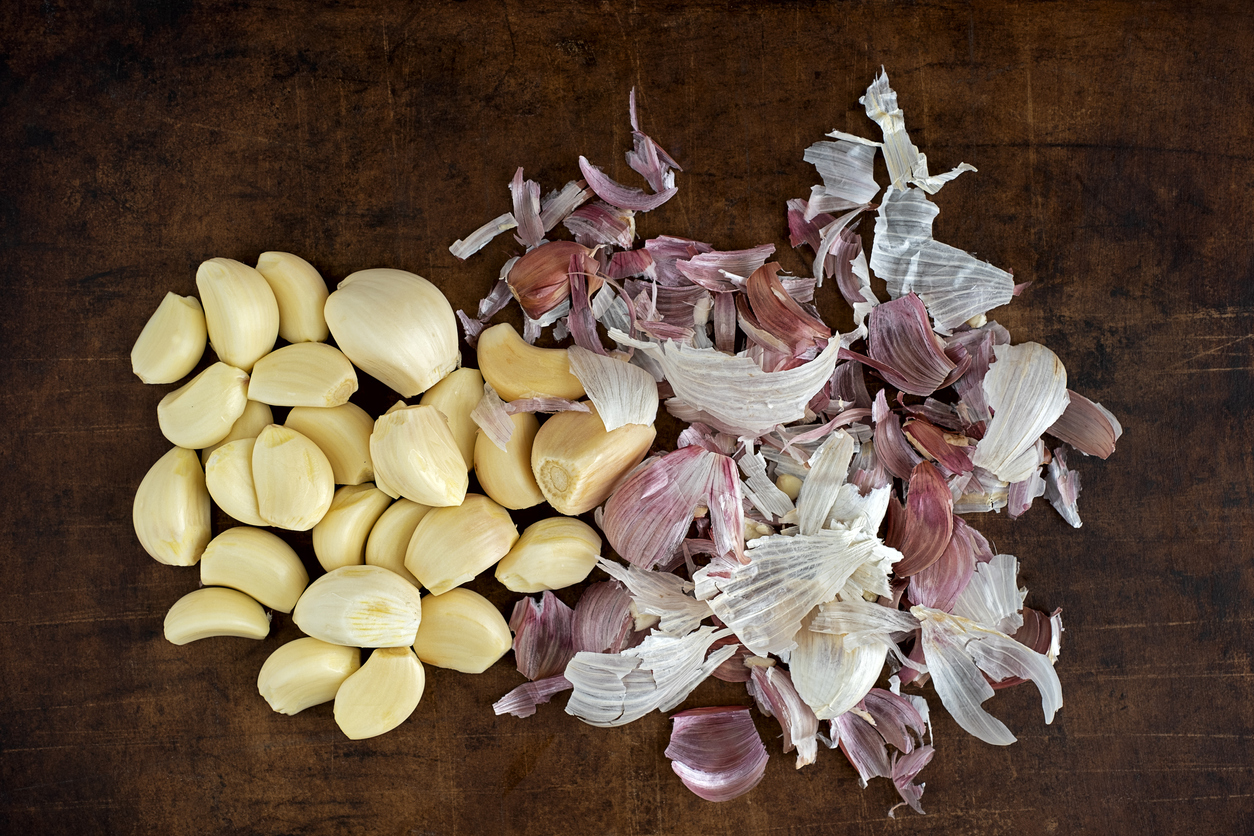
(293, 479)
(256, 417)
(551, 554)
(462, 631)
(203, 410)
(171, 511)
(304, 673)
(241, 314)
(256, 563)
(576, 462)
(300, 294)
(518, 370)
(540, 280)
(229, 478)
(505, 475)
(339, 538)
(415, 454)
(343, 434)
(360, 606)
(456, 396)
(380, 695)
(172, 341)
(214, 611)
(452, 545)
(303, 374)
(391, 535)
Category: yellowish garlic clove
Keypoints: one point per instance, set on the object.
(172, 341)
(456, 396)
(229, 478)
(171, 514)
(576, 462)
(415, 455)
(391, 534)
(214, 611)
(293, 479)
(256, 417)
(551, 554)
(519, 370)
(241, 314)
(343, 434)
(203, 410)
(360, 606)
(304, 673)
(256, 563)
(300, 294)
(789, 484)
(339, 539)
(505, 475)
(380, 695)
(462, 631)
(452, 545)
(303, 374)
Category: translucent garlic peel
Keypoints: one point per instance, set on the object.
(1027, 390)
(623, 393)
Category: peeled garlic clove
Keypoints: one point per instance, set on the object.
(213, 611)
(339, 538)
(396, 326)
(171, 512)
(381, 695)
(293, 479)
(241, 313)
(415, 454)
(360, 606)
(518, 370)
(461, 631)
(452, 545)
(576, 462)
(256, 417)
(256, 563)
(304, 673)
(172, 341)
(229, 478)
(300, 293)
(343, 434)
(303, 374)
(203, 410)
(551, 554)
(391, 535)
(506, 474)
(455, 396)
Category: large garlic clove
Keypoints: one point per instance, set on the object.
(203, 410)
(391, 534)
(213, 611)
(396, 326)
(506, 474)
(293, 479)
(381, 695)
(241, 313)
(461, 631)
(229, 478)
(551, 554)
(300, 293)
(452, 545)
(415, 454)
(256, 417)
(339, 539)
(360, 606)
(171, 512)
(518, 370)
(304, 673)
(576, 462)
(303, 374)
(256, 563)
(172, 341)
(456, 396)
(343, 434)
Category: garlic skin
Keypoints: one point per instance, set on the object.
(172, 341)
(229, 479)
(241, 314)
(214, 611)
(540, 279)
(203, 410)
(339, 538)
(396, 326)
(456, 396)
(551, 554)
(462, 631)
(342, 433)
(360, 606)
(505, 475)
(256, 417)
(452, 545)
(304, 673)
(390, 536)
(293, 479)
(256, 563)
(518, 370)
(303, 374)
(415, 454)
(300, 294)
(576, 462)
(381, 694)
(171, 511)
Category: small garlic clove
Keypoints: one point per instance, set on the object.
(339, 538)
(300, 293)
(577, 463)
(241, 314)
(229, 478)
(789, 484)
(505, 475)
(518, 370)
(415, 454)
(214, 611)
(462, 631)
(452, 545)
(304, 673)
(203, 410)
(172, 341)
(256, 417)
(171, 511)
(456, 396)
(551, 554)
(343, 434)
(303, 374)
(293, 479)
(391, 535)
(360, 606)
(256, 563)
(381, 694)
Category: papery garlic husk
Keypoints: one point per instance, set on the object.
(462, 631)
(304, 673)
(241, 314)
(171, 512)
(452, 545)
(172, 341)
(256, 417)
(229, 478)
(203, 410)
(455, 396)
(518, 370)
(214, 611)
(360, 606)
(293, 479)
(339, 538)
(505, 475)
(381, 694)
(577, 463)
(256, 563)
(389, 539)
(415, 454)
(395, 326)
(540, 280)
(303, 374)
(342, 433)
(300, 293)
(551, 554)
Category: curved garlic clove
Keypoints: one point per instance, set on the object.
(452, 545)
(551, 554)
(171, 512)
(203, 410)
(462, 631)
(391, 535)
(518, 370)
(172, 342)
(456, 396)
(303, 374)
(360, 606)
(256, 563)
(343, 434)
(414, 454)
(576, 462)
(505, 475)
(300, 294)
(257, 416)
(380, 695)
(304, 673)
(293, 479)
(214, 611)
(229, 478)
(339, 538)
(241, 314)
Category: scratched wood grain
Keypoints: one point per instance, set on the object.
(140, 138)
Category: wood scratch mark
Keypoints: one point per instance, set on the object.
(1209, 351)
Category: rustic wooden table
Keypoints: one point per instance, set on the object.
(1113, 141)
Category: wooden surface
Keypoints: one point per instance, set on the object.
(138, 139)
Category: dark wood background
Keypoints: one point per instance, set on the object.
(1116, 170)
